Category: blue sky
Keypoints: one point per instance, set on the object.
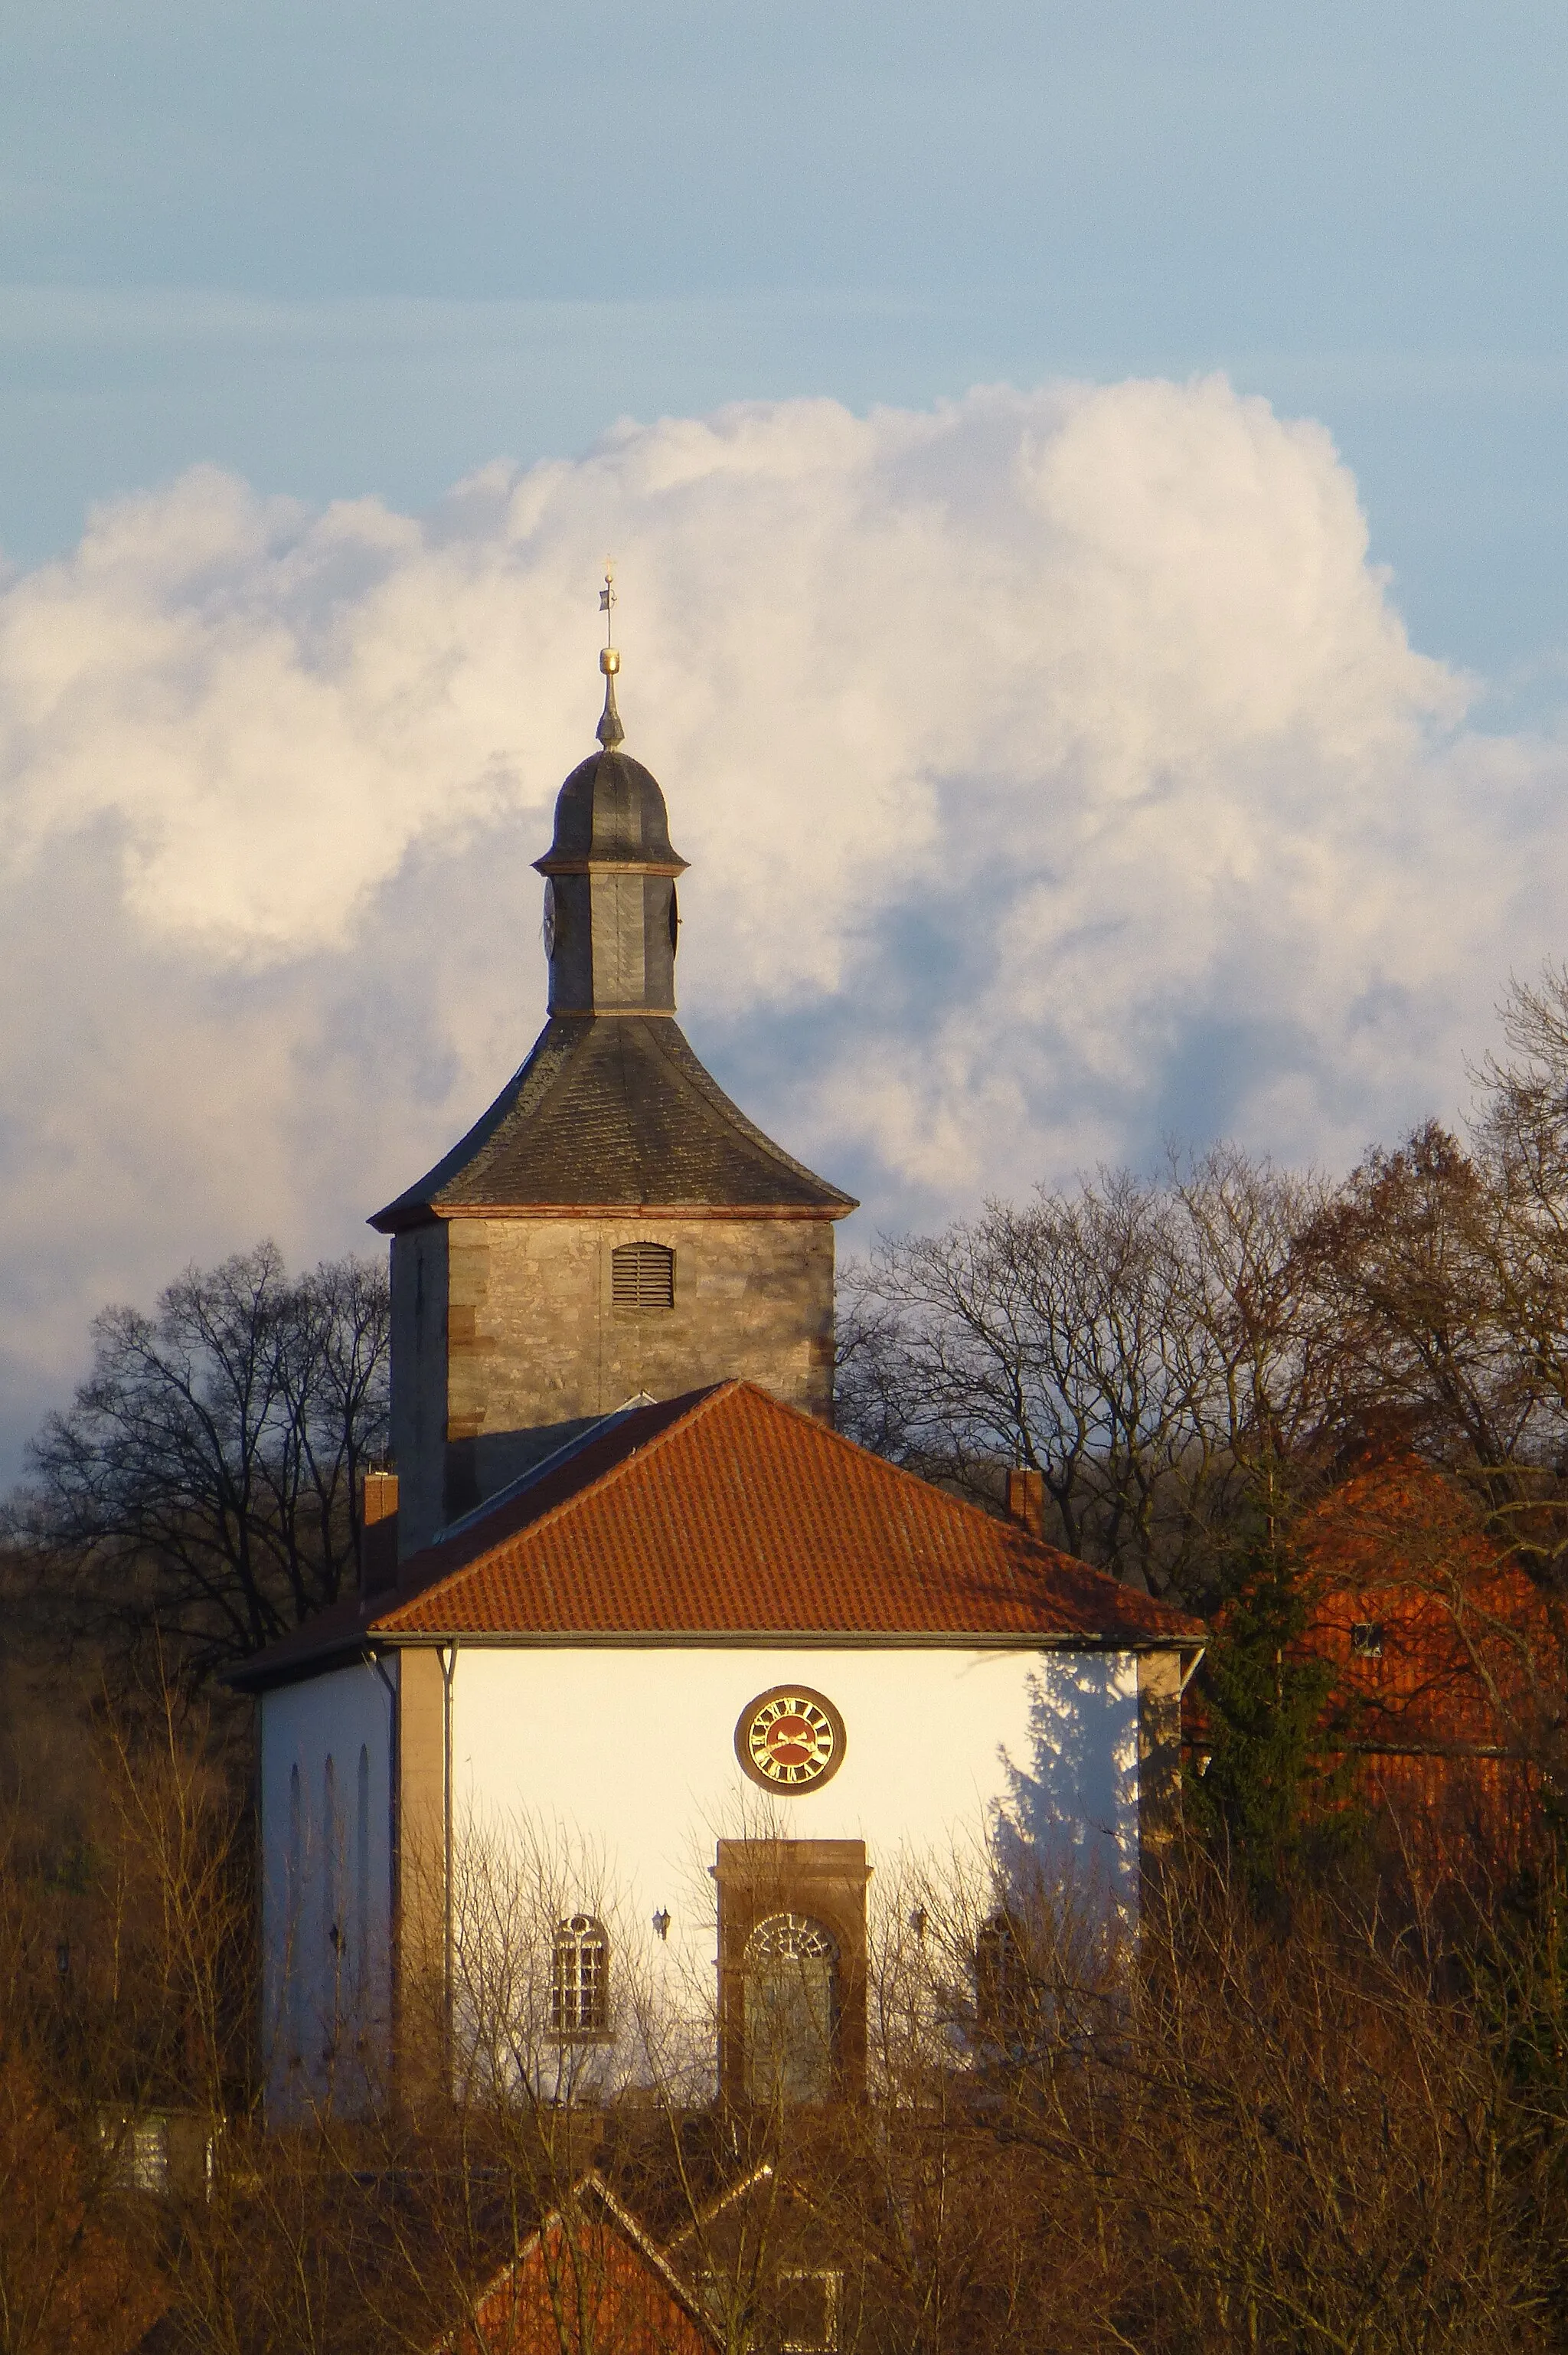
(346, 248)
(1090, 485)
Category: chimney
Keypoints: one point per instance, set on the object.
(1026, 1501)
(379, 1545)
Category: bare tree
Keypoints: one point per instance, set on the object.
(1151, 1349)
(205, 1479)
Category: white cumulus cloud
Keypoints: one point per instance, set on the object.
(1055, 768)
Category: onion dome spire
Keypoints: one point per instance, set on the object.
(611, 923)
(610, 732)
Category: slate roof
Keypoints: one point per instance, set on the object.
(724, 1515)
(610, 811)
(614, 1111)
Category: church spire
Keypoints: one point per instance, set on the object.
(610, 732)
(611, 918)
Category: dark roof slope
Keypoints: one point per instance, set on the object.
(610, 810)
(614, 1111)
(725, 1514)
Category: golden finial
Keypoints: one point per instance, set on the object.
(609, 731)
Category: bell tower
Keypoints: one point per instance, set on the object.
(613, 1224)
(610, 913)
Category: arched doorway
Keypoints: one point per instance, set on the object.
(792, 2010)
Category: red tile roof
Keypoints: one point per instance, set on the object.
(1445, 1659)
(1467, 1656)
(724, 1513)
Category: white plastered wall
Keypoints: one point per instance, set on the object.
(612, 1772)
(326, 1888)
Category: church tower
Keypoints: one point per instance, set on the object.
(613, 1225)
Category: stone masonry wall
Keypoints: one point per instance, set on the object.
(535, 1347)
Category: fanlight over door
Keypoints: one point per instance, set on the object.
(791, 2011)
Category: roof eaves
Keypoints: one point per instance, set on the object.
(262, 1673)
(801, 1639)
(423, 1213)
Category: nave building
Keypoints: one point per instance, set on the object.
(637, 1627)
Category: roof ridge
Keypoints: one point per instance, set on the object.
(1022, 1552)
(642, 2240)
(701, 1400)
(591, 2183)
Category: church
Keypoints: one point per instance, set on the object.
(637, 1629)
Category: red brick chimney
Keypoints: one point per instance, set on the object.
(378, 1546)
(1026, 1501)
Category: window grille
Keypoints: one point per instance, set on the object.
(580, 1979)
(1366, 1640)
(792, 2010)
(642, 1275)
(139, 2152)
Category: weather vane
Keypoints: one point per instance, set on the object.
(609, 731)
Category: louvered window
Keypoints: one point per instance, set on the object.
(642, 1275)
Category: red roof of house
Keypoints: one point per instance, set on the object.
(725, 1514)
(1445, 1664)
(1441, 1641)
(589, 2278)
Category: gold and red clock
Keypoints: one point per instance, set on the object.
(790, 1739)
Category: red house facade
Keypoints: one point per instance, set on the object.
(1446, 1660)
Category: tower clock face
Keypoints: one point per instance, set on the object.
(549, 924)
(790, 1739)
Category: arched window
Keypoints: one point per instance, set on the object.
(580, 1979)
(642, 1275)
(1006, 1998)
(792, 2010)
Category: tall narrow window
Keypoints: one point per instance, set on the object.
(580, 1979)
(642, 1275)
(332, 1906)
(362, 1877)
(331, 1859)
(293, 1914)
(792, 2010)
